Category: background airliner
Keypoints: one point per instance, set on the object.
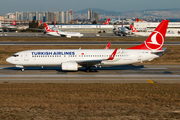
(60, 33)
(113, 21)
(72, 59)
(9, 26)
(121, 31)
(168, 33)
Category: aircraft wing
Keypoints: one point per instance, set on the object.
(95, 62)
(89, 62)
(70, 34)
(63, 34)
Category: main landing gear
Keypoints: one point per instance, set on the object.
(22, 69)
(88, 69)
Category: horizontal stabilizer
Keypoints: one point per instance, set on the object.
(159, 51)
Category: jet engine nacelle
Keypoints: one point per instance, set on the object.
(71, 66)
(68, 36)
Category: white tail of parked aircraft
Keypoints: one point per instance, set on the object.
(72, 59)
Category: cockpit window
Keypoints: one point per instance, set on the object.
(15, 55)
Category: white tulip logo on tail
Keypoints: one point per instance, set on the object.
(155, 41)
(47, 28)
(134, 29)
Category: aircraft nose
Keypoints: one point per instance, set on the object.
(9, 60)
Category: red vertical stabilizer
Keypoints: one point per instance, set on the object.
(48, 29)
(133, 29)
(156, 39)
(107, 22)
(14, 23)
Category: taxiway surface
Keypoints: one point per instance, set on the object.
(119, 74)
(40, 34)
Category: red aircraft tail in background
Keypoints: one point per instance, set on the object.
(14, 23)
(39, 23)
(137, 19)
(48, 29)
(133, 29)
(107, 22)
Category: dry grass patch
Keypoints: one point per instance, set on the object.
(90, 101)
(171, 57)
(58, 39)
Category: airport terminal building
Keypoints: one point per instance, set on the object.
(174, 26)
(89, 28)
(96, 28)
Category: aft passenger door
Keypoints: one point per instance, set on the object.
(139, 56)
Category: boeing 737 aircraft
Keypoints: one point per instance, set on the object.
(60, 33)
(10, 26)
(72, 59)
(121, 31)
(113, 21)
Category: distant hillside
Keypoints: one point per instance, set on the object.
(100, 11)
(153, 13)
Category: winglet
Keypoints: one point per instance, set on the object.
(107, 47)
(112, 55)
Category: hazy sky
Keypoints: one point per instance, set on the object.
(10, 6)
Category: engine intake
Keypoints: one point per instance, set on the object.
(71, 66)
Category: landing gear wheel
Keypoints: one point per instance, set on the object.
(22, 70)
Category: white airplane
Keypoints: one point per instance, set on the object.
(121, 31)
(168, 33)
(60, 33)
(9, 26)
(72, 59)
(113, 21)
